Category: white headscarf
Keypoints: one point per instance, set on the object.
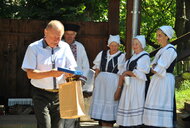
(114, 38)
(168, 30)
(141, 39)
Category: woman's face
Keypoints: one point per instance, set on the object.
(136, 45)
(114, 47)
(161, 37)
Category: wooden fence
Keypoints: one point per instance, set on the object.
(16, 35)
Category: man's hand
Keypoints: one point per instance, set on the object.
(67, 75)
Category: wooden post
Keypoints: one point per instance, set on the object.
(129, 27)
(113, 16)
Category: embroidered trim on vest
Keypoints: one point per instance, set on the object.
(132, 65)
(113, 61)
(170, 69)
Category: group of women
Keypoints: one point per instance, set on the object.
(120, 94)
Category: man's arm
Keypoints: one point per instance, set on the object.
(36, 74)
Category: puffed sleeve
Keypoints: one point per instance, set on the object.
(165, 60)
(143, 67)
(121, 63)
(97, 61)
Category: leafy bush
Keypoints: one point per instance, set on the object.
(185, 84)
(182, 93)
(181, 97)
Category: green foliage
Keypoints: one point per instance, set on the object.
(67, 10)
(181, 97)
(122, 48)
(185, 84)
(182, 93)
(122, 21)
(186, 76)
(156, 13)
(97, 10)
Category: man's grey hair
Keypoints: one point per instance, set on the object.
(55, 24)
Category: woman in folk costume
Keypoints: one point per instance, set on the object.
(131, 105)
(107, 65)
(159, 106)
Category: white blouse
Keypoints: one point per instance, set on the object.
(121, 60)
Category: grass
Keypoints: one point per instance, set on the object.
(181, 97)
(182, 94)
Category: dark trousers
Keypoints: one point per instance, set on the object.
(46, 108)
(152, 127)
(141, 126)
(68, 123)
(131, 127)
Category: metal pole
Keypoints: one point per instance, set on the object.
(132, 23)
(135, 18)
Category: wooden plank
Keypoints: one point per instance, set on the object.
(128, 38)
(27, 26)
(21, 33)
(14, 26)
(91, 28)
(113, 17)
(5, 25)
(22, 82)
(34, 26)
(187, 106)
(10, 66)
(93, 47)
(3, 66)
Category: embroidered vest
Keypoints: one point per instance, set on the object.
(112, 64)
(133, 64)
(170, 69)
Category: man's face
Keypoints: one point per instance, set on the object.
(69, 36)
(53, 37)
